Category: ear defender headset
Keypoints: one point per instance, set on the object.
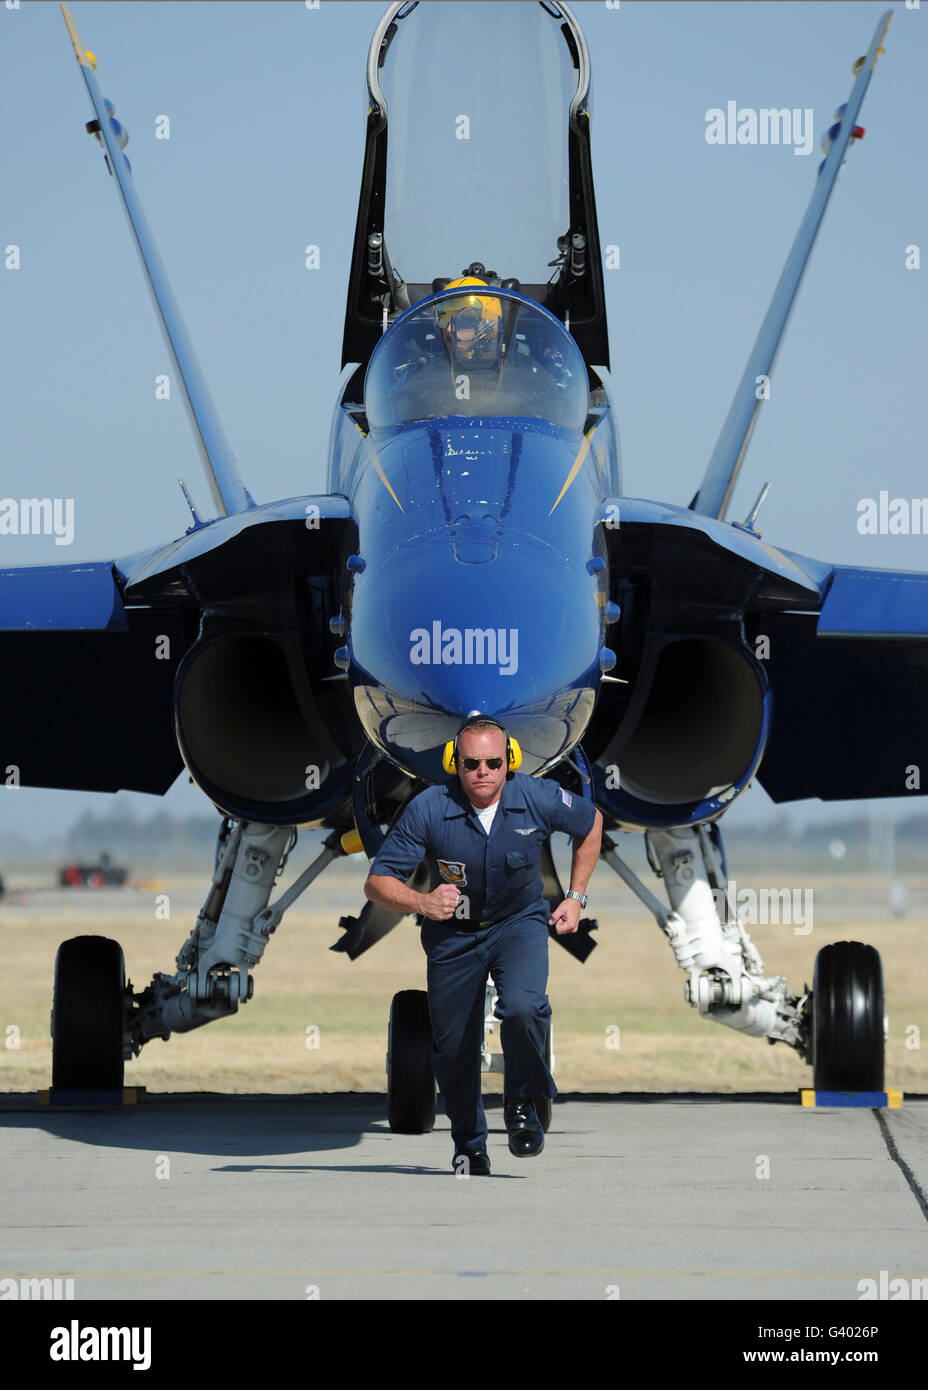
(449, 759)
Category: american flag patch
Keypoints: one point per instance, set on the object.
(566, 797)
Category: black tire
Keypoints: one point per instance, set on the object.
(88, 1015)
(847, 1018)
(410, 1079)
(543, 1104)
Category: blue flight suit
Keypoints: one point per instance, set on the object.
(501, 928)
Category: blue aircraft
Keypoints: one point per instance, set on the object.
(309, 660)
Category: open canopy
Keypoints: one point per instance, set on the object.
(477, 169)
(477, 161)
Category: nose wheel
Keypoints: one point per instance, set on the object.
(88, 1015)
(410, 1079)
(411, 1089)
(848, 1039)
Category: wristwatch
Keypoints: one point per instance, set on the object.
(581, 897)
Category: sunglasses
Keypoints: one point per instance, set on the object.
(471, 764)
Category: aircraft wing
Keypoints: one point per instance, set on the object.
(850, 690)
(85, 702)
(846, 655)
(90, 651)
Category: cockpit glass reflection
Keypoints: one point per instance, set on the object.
(476, 352)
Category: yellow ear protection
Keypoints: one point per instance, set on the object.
(449, 759)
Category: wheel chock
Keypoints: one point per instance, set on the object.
(128, 1095)
(872, 1100)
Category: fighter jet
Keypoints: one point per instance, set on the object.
(309, 661)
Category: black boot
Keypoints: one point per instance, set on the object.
(526, 1136)
(477, 1164)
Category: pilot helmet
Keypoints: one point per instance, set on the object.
(470, 323)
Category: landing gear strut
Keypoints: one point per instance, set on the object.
(98, 1022)
(840, 1027)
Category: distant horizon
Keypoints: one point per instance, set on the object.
(139, 811)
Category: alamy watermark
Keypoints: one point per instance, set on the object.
(469, 646)
(38, 516)
(780, 906)
(902, 516)
(770, 125)
(33, 1290)
(886, 1289)
(77, 1343)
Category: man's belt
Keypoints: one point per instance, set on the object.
(466, 925)
(469, 926)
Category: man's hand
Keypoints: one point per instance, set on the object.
(440, 904)
(393, 894)
(566, 917)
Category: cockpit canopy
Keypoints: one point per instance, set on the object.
(477, 160)
(488, 156)
(476, 352)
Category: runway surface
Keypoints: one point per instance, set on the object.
(634, 1197)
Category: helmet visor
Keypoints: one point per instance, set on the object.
(470, 332)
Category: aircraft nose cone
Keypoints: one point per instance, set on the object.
(502, 624)
(475, 544)
(501, 619)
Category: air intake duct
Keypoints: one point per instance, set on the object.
(250, 734)
(692, 737)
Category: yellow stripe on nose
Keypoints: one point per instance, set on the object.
(372, 455)
(575, 466)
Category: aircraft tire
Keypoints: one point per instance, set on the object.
(410, 1080)
(88, 1015)
(847, 1018)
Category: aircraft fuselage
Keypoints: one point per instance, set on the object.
(476, 586)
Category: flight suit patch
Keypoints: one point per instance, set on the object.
(453, 871)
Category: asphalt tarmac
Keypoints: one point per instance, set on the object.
(635, 1196)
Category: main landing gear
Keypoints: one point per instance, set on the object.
(839, 1027)
(98, 1022)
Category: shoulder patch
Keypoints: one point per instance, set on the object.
(453, 871)
(566, 797)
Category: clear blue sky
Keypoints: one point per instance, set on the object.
(267, 107)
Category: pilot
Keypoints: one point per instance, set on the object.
(470, 325)
(482, 836)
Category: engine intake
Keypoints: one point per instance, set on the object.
(693, 734)
(242, 727)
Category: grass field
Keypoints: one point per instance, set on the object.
(620, 1021)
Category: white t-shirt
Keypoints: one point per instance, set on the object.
(486, 815)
